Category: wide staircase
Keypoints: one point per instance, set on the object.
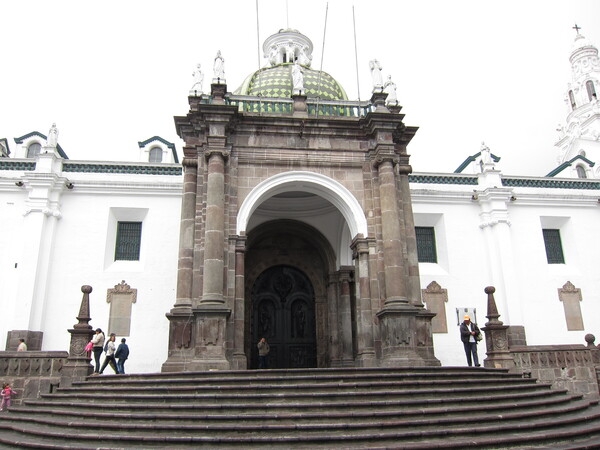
(413, 408)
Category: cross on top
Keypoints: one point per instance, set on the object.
(577, 28)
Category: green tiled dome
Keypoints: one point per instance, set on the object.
(277, 82)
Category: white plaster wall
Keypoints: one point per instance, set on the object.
(465, 263)
(81, 244)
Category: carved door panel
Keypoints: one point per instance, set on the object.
(283, 311)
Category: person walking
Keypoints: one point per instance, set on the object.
(110, 349)
(6, 393)
(98, 346)
(22, 347)
(263, 354)
(468, 335)
(122, 354)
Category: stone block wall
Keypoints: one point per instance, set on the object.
(31, 373)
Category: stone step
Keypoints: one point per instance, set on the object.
(316, 409)
(404, 434)
(156, 412)
(296, 376)
(241, 405)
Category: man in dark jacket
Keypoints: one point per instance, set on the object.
(122, 354)
(468, 335)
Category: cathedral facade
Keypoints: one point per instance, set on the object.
(295, 216)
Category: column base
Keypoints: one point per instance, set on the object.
(405, 337)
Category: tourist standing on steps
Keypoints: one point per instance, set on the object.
(122, 354)
(468, 335)
(263, 354)
(98, 345)
(110, 349)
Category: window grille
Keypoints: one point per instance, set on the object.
(554, 251)
(426, 250)
(129, 238)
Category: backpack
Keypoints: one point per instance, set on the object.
(106, 346)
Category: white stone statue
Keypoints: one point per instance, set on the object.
(486, 156)
(390, 89)
(297, 79)
(52, 139)
(219, 68)
(375, 67)
(198, 80)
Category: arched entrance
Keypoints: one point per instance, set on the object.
(283, 311)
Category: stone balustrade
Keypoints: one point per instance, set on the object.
(568, 367)
(31, 373)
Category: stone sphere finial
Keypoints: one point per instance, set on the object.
(86, 289)
(590, 338)
(489, 290)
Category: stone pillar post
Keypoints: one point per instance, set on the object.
(240, 361)
(364, 314)
(496, 338)
(78, 366)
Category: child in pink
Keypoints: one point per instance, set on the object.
(6, 394)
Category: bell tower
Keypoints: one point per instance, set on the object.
(579, 138)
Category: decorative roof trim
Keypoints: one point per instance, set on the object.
(20, 140)
(170, 145)
(16, 164)
(442, 179)
(551, 183)
(569, 163)
(473, 158)
(161, 169)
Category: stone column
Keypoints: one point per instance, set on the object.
(405, 328)
(186, 236)
(78, 366)
(180, 316)
(240, 361)
(395, 283)
(212, 289)
(364, 314)
(211, 314)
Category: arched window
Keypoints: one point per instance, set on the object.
(33, 150)
(572, 100)
(591, 90)
(580, 171)
(155, 155)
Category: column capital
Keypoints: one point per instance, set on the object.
(217, 152)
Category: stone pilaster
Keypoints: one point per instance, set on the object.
(345, 314)
(365, 356)
(240, 362)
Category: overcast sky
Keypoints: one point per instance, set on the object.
(113, 73)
